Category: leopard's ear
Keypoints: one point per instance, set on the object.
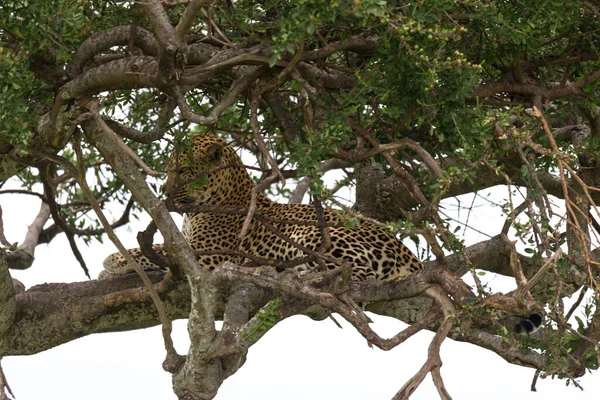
(214, 153)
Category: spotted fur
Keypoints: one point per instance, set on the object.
(211, 173)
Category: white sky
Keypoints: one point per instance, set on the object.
(298, 359)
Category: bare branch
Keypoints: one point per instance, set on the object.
(128, 73)
(203, 292)
(102, 41)
(22, 258)
(276, 173)
(187, 19)
(358, 156)
(172, 357)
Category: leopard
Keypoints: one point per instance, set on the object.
(209, 172)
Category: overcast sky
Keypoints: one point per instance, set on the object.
(298, 359)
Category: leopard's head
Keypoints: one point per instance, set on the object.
(207, 172)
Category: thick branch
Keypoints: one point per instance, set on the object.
(52, 314)
(127, 73)
(102, 41)
(8, 305)
(535, 91)
(198, 374)
(356, 44)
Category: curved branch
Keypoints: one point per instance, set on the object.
(162, 125)
(102, 41)
(434, 362)
(128, 73)
(237, 88)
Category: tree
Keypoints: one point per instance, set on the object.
(416, 103)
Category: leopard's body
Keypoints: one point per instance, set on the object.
(211, 173)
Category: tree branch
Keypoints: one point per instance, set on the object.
(102, 41)
(8, 305)
(187, 19)
(23, 257)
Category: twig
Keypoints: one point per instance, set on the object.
(260, 143)
(536, 375)
(538, 276)
(19, 191)
(212, 22)
(252, 207)
(575, 305)
(428, 160)
(512, 216)
(282, 75)
(215, 66)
